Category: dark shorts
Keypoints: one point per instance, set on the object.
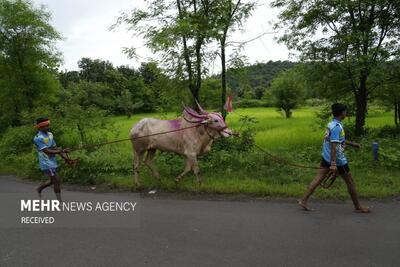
(50, 172)
(344, 169)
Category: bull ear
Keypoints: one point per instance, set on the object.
(202, 111)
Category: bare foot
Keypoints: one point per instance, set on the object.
(303, 204)
(39, 193)
(362, 210)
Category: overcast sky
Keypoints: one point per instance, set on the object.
(84, 26)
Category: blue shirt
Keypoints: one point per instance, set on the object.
(45, 140)
(335, 134)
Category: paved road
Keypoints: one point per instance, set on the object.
(215, 233)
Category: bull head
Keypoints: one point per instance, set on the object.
(213, 120)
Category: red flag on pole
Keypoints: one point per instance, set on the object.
(228, 104)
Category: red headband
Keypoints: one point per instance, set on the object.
(43, 124)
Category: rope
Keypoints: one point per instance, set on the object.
(285, 161)
(327, 181)
(133, 138)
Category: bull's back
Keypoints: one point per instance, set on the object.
(157, 140)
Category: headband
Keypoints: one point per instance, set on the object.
(42, 124)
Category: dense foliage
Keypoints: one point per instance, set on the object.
(351, 37)
(28, 60)
(88, 105)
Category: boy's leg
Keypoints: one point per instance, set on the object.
(311, 188)
(42, 186)
(351, 188)
(56, 185)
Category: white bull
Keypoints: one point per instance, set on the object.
(189, 143)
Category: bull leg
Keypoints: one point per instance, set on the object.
(188, 167)
(149, 163)
(196, 170)
(137, 159)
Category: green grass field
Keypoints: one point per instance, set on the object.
(273, 130)
(298, 139)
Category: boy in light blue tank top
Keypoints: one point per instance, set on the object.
(47, 151)
(334, 160)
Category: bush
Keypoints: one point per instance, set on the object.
(18, 152)
(314, 102)
(250, 103)
(385, 131)
(16, 140)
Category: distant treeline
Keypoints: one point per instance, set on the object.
(125, 90)
(32, 84)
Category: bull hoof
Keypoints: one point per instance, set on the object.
(177, 180)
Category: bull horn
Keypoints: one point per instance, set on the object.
(202, 111)
(194, 114)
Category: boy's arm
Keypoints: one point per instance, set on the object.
(353, 144)
(52, 150)
(334, 140)
(57, 151)
(333, 156)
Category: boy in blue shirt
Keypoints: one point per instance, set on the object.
(334, 160)
(47, 151)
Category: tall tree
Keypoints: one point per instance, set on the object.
(228, 15)
(178, 29)
(287, 90)
(94, 70)
(388, 80)
(66, 77)
(125, 103)
(358, 34)
(28, 59)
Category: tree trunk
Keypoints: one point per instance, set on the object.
(197, 87)
(288, 113)
(223, 78)
(361, 105)
(186, 55)
(396, 112)
(81, 133)
(16, 121)
(27, 90)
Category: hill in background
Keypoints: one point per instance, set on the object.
(255, 78)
